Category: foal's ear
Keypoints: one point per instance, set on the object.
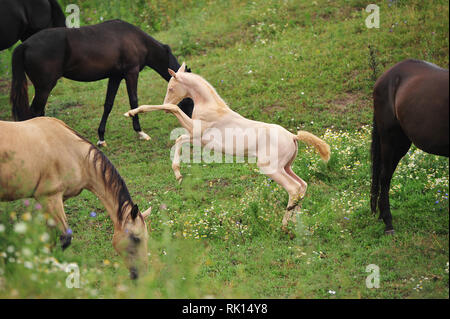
(172, 73)
(134, 211)
(182, 67)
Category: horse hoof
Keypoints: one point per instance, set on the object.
(389, 232)
(288, 232)
(143, 136)
(65, 241)
(101, 144)
(180, 179)
(127, 114)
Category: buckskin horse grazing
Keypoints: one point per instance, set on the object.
(19, 19)
(226, 131)
(113, 49)
(45, 159)
(410, 106)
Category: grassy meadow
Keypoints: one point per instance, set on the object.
(301, 64)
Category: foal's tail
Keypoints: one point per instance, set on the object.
(320, 145)
(375, 154)
(19, 86)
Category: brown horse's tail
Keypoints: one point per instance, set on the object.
(320, 145)
(19, 86)
(58, 17)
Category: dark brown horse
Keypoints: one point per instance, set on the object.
(410, 106)
(113, 49)
(20, 19)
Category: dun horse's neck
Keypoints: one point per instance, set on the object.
(108, 186)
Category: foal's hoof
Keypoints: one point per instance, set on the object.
(288, 232)
(179, 179)
(65, 241)
(389, 232)
(143, 136)
(101, 144)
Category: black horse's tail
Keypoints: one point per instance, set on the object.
(19, 86)
(58, 17)
(375, 152)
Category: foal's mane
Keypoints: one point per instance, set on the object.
(111, 177)
(199, 79)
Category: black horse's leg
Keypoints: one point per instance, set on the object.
(41, 94)
(113, 86)
(132, 84)
(393, 148)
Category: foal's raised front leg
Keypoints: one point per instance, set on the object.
(184, 120)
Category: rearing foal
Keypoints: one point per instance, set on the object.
(228, 132)
(113, 49)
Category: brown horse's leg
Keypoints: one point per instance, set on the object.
(132, 84)
(40, 100)
(113, 86)
(393, 148)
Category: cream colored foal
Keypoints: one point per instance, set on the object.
(223, 130)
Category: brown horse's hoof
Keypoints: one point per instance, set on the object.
(389, 232)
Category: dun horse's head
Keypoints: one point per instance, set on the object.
(176, 90)
(130, 240)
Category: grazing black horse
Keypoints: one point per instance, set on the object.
(20, 19)
(410, 106)
(113, 49)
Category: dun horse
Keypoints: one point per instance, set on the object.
(274, 147)
(45, 159)
(410, 106)
(114, 49)
(20, 19)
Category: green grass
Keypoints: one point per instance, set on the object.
(218, 234)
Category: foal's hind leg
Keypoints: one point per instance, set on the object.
(393, 147)
(132, 83)
(293, 188)
(55, 207)
(176, 157)
(113, 85)
(290, 172)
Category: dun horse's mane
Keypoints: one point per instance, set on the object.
(109, 173)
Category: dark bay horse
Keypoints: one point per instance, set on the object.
(410, 106)
(20, 19)
(45, 159)
(113, 49)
